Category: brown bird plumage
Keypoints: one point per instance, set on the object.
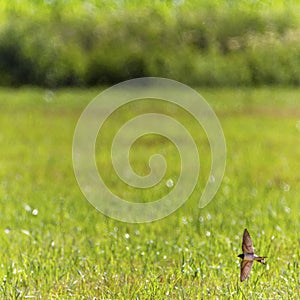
(248, 256)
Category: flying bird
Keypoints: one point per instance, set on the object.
(248, 256)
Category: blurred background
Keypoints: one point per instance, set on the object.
(54, 43)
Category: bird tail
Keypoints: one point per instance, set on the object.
(260, 259)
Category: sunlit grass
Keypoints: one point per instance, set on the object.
(54, 244)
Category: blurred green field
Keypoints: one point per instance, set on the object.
(55, 245)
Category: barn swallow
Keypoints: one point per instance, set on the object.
(248, 256)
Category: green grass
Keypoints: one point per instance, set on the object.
(54, 244)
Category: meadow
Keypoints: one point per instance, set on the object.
(55, 245)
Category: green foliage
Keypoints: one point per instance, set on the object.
(54, 244)
(61, 43)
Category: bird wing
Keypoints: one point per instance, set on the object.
(247, 243)
(246, 266)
